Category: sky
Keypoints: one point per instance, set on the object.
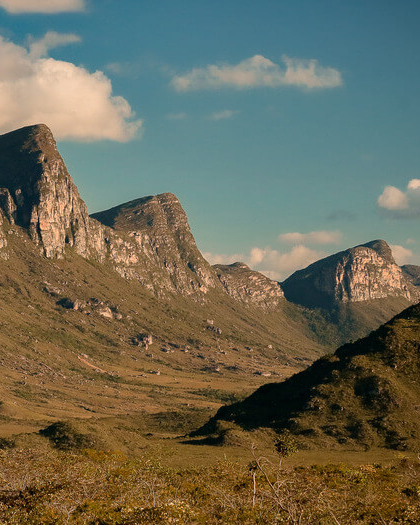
(288, 129)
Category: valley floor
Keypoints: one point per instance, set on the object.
(188, 484)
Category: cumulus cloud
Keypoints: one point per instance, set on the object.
(222, 258)
(259, 71)
(42, 6)
(401, 255)
(401, 204)
(270, 262)
(75, 103)
(225, 114)
(40, 47)
(316, 237)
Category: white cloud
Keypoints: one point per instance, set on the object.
(259, 71)
(316, 237)
(278, 265)
(225, 114)
(51, 39)
(401, 204)
(221, 258)
(74, 103)
(42, 6)
(401, 255)
(274, 264)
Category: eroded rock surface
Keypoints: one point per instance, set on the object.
(248, 286)
(358, 274)
(148, 239)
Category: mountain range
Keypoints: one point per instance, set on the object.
(111, 312)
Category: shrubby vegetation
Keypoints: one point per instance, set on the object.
(97, 487)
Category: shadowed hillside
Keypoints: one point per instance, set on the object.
(367, 393)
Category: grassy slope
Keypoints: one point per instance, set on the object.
(46, 350)
(366, 394)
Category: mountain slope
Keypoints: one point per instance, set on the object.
(363, 273)
(412, 273)
(367, 393)
(249, 286)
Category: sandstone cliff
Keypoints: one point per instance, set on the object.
(248, 286)
(358, 274)
(147, 239)
(38, 194)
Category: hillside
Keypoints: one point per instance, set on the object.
(365, 394)
(123, 315)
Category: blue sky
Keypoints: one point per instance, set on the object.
(222, 106)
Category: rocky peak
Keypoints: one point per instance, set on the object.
(37, 192)
(382, 248)
(159, 224)
(249, 286)
(362, 273)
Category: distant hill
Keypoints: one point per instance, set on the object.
(412, 273)
(355, 290)
(366, 394)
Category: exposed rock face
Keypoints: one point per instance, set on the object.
(159, 228)
(248, 286)
(37, 192)
(361, 273)
(412, 273)
(148, 239)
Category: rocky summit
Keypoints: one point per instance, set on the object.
(365, 394)
(363, 273)
(248, 286)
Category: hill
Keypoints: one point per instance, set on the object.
(365, 394)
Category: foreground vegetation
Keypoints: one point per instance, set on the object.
(97, 487)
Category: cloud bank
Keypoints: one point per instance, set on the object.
(259, 71)
(317, 237)
(401, 204)
(401, 255)
(272, 263)
(42, 6)
(75, 103)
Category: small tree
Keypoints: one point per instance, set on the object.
(286, 446)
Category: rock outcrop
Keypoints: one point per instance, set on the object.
(159, 228)
(148, 239)
(248, 286)
(362, 273)
(38, 193)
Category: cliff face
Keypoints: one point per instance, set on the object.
(148, 239)
(164, 248)
(358, 274)
(248, 286)
(38, 194)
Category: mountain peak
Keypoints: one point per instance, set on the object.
(362, 273)
(382, 248)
